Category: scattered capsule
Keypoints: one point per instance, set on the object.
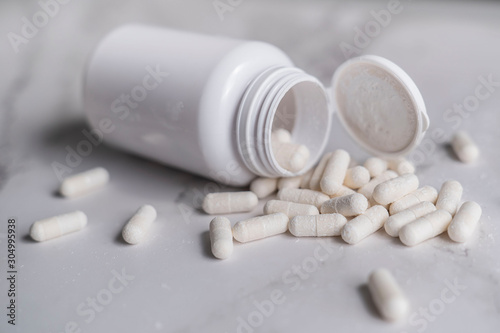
(290, 156)
(367, 190)
(229, 202)
(84, 182)
(401, 165)
(289, 182)
(464, 147)
(388, 297)
(356, 177)
(138, 226)
(397, 221)
(365, 224)
(281, 135)
(291, 209)
(221, 237)
(57, 226)
(263, 187)
(348, 205)
(323, 225)
(260, 227)
(376, 166)
(335, 170)
(303, 196)
(426, 193)
(314, 183)
(465, 221)
(425, 227)
(449, 196)
(394, 189)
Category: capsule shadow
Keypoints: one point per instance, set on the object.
(367, 299)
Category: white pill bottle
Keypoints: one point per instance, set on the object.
(208, 104)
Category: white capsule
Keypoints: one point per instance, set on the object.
(425, 227)
(365, 224)
(344, 190)
(229, 202)
(306, 179)
(387, 295)
(401, 165)
(303, 196)
(221, 237)
(264, 187)
(57, 226)
(314, 183)
(367, 190)
(348, 205)
(291, 209)
(289, 182)
(356, 177)
(426, 193)
(138, 226)
(449, 196)
(394, 189)
(397, 221)
(335, 170)
(84, 182)
(376, 166)
(290, 156)
(465, 221)
(281, 135)
(464, 147)
(323, 225)
(260, 227)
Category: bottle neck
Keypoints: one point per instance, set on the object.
(282, 97)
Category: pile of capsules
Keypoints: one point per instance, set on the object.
(334, 199)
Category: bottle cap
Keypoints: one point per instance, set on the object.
(379, 105)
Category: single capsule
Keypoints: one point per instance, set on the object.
(264, 187)
(401, 165)
(323, 225)
(367, 190)
(348, 205)
(314, 183)
(308, 197)
(260, 227)
(365, 224)
(84, 182)
(291, 209)
(464, 147)
(394, 189)
(356, 177)
(376, 166)
(229, 202)
(57, 226)
(465, 221)
(449, 196)
(290, 156)
(138, 226)
(397, 221)
(306, 179)
(335, 170)
(426, 193)
(289, 182)
(425, 227)
(281, 135)
(344, 190)
(387, 295)
(221, 237)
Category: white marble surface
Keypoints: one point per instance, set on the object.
(177, 285)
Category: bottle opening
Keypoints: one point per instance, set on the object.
(283, 100)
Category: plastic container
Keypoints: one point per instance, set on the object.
(208, 104)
